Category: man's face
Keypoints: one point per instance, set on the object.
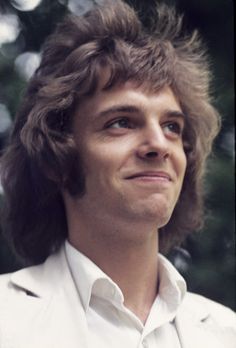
(130, 143)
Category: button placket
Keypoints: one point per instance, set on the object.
(145, 344)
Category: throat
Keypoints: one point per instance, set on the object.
(137, 278)
(132, 265)
(141, 303)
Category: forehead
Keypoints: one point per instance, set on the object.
(128, 93)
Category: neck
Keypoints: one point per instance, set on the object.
(130, 262)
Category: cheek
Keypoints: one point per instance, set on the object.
(100, 165)
(180, 164)
(183, 163)
(110, 156)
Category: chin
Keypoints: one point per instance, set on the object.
(158, 218)
(159, 214)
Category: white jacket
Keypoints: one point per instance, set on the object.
(37, 311)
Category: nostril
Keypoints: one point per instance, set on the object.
(151, 154)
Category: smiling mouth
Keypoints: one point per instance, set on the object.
(151, 176)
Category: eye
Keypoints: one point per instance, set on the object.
(119, 123)
(174, 128)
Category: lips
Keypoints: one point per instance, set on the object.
(151, 175)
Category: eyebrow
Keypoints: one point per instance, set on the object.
(174, 113)
(118, 109)
(133, 109)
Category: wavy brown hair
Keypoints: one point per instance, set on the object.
(42, 158)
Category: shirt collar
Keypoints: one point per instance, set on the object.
(172, 287)
(91, 280)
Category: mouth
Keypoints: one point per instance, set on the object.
(151, 176)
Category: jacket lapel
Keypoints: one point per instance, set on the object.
(197, 329)
(51, 316)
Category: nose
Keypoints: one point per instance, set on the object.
(153, 143)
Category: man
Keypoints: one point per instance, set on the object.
(104, 168)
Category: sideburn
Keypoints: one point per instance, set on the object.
(75, 180)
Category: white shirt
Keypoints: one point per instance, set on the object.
(110, 323)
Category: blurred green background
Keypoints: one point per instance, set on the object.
(207, 259)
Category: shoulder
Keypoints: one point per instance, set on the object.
(202, 322)
(4, 282)
(43, 280)
(6, 286)
(38, 280)
(219, 313)
(9, 288)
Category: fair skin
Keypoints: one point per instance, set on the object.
(131, 147)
